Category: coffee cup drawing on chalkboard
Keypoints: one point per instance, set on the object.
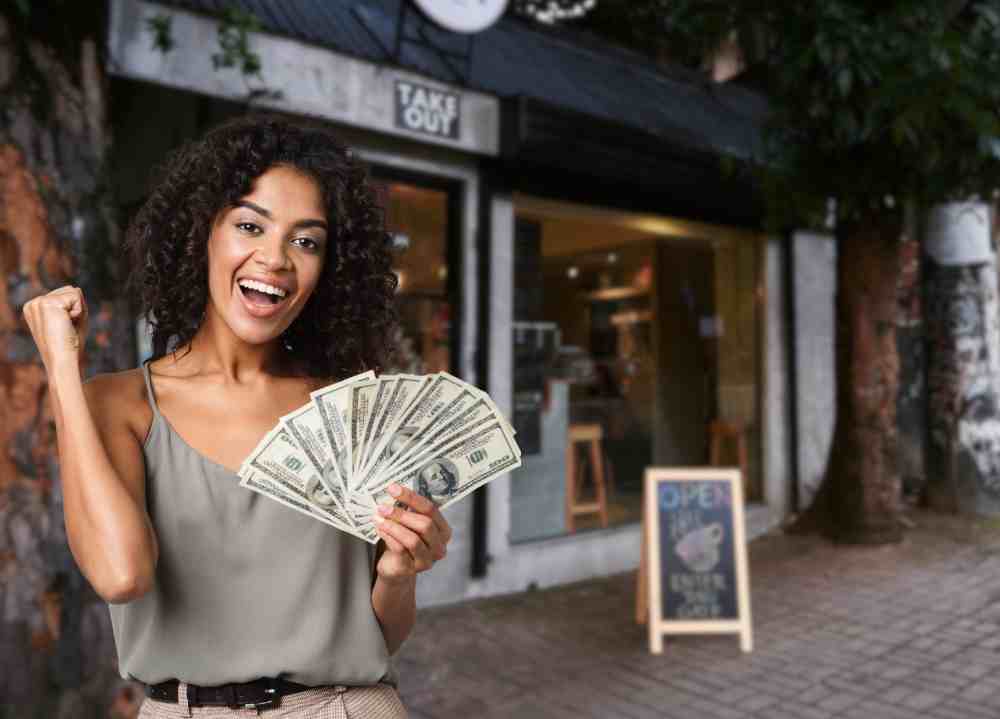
(699, 550)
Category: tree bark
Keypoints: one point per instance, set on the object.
(860, 499)
(57, 227)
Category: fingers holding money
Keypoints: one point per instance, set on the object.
(408, 542)
(423, 507)
(416, 524)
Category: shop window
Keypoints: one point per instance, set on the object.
(417, 219)
(633, 344)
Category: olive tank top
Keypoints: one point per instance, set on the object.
(245, 587)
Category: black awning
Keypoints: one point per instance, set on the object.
(555, 152)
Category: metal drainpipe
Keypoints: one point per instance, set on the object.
(480, 499)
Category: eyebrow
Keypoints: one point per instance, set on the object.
(267, 213)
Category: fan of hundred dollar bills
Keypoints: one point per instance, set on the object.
(334, 457)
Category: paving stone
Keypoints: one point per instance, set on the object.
(910, 631)
(839, 702)
(922, 701)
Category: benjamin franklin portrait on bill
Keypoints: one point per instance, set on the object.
(330, 474)
(438, 480)
(318, 494)
(397, 442)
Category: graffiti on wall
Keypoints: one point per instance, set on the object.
(963, 378)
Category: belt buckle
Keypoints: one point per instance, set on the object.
(272, 698)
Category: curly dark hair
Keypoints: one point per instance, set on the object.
(348, 322)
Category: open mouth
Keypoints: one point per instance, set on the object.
(259, 298)
(261, 295)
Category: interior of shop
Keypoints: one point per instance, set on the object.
(653, 344)
(417, 219)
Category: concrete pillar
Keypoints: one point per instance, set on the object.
(814, 273)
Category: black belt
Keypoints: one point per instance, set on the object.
(249, 695)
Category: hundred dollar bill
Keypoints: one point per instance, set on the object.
(333, 403)
(285, 463)
(406, 447)
(260, 483)
(362, 396)
(442, 390)
(407, 389)
(446, 431)
(362, 504)
(386, 386)
(305, 425)
(459, 468)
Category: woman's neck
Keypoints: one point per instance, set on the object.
(218, 350)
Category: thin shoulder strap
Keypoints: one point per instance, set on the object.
(149, 387)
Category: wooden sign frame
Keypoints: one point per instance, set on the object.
(658, 626)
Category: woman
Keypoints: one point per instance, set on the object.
(262, 265)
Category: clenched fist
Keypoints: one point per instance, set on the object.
(58, 324)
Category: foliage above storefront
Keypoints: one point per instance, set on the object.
(871, 102)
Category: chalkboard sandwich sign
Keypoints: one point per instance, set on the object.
(698, 580)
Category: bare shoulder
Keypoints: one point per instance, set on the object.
(118, 400)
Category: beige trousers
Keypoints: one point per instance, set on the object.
(339, 702)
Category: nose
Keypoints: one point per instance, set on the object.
(271, 255)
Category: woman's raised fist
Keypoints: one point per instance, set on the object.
(58, 324)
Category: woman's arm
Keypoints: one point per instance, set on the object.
(395, 604)
(100, 458)
(414, 537)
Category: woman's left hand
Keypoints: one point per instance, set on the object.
(416, 535)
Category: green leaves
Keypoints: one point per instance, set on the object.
(235, 27)
(845, 79)
(161, 26)
(898, 98)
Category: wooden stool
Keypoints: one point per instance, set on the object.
(591, 434)
(719, 431)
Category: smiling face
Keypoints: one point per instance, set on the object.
(265, 255)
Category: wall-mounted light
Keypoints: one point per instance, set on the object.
(400, 241)
(612, 258)
(442, 273)
(572, 272)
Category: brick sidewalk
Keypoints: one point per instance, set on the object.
(898, 632)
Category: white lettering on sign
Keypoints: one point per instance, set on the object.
(424, 109)
(699, 496)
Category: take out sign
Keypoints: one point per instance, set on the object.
(422, 108)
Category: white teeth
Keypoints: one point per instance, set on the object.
(262, 287)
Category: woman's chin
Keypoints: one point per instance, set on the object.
(253, 334)
(257, 325)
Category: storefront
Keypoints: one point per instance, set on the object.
(606, 285)
(643, 333)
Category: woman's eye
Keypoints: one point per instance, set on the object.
(307, 242)
(248, 227)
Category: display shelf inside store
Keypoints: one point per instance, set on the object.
(631, 318)
(609, 294)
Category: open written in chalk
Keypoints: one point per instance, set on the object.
(696, 554)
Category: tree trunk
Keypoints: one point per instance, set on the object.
(860, 499)
(57, 226)
(963, 372)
